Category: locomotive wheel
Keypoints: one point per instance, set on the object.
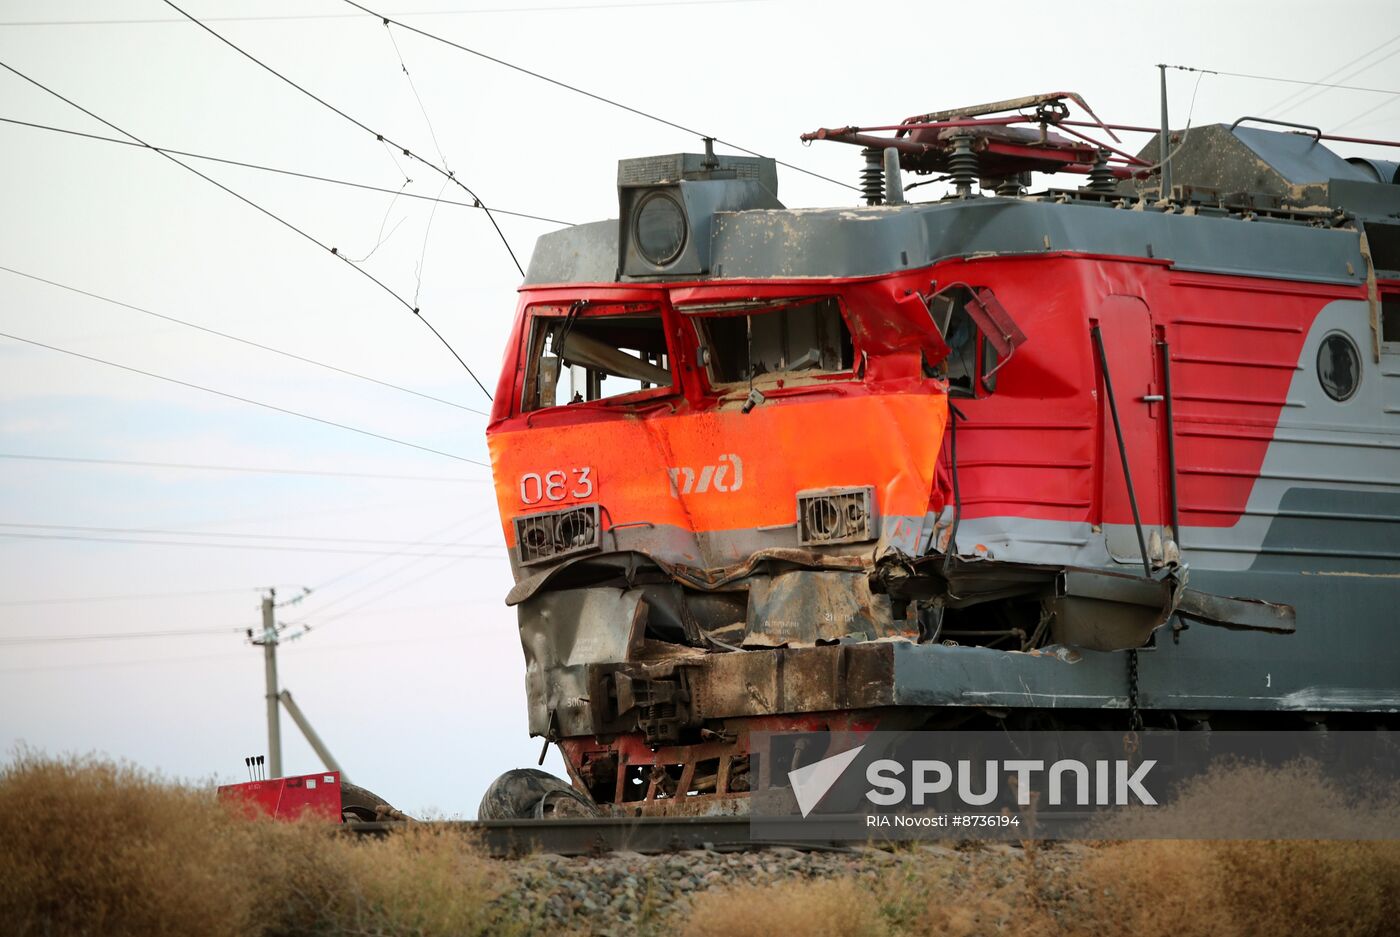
(529, 793)
(358, 804)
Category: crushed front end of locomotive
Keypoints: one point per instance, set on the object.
(897, 466)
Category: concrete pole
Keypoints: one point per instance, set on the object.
(269, 643)
(304, 724)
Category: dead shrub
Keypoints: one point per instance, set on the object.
(954, 898)
(423, 881)
(95, 848)
(1239, 888)
(90, 847)
(830, 908)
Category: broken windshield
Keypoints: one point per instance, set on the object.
(750, 340)
(585, 355)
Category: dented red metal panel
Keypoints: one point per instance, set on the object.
(1042, 447)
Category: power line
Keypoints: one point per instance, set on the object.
(450, 176)
(374, 582)
(124, 598)
(238, 468)
(1366, 113)
(241, 341)
(1291, 81)
(240, 535)
(102, 665)
(364, 566)
(1277, 108)
(280, 220)
(237, 546)
(577, 90)
(19, 640)
(285, 172)
(256, 403)
(1311, 95)
(341, 16)
(385, 593)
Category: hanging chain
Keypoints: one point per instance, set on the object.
(1130, 740)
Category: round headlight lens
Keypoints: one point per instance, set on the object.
(659, 229)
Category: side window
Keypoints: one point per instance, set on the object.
(807, 335)
(970, 367)
(592, 354)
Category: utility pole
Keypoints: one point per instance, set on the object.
(271, 636)
(304, 724)
(268, 640)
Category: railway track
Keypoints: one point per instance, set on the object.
(583, 836)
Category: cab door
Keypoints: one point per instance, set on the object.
(1130, 348)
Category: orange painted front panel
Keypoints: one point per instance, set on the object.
(724, 470)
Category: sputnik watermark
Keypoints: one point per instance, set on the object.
(1116, 783)
(856, 785)
(930, 777)
(810, 783)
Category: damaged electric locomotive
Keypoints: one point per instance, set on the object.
(954, 462)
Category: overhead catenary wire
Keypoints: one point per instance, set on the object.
(261, 547)
(230, 657)
(240, 535)
(1312, 94)
(241, 341)
(247, 400)
(1366, 113)
(386, 20)
(250, 469)
(1294, 81)
(26, 639)
(268, 212)
(1287, 102)
(363, 126)
(385, 593)
(124, 597)
(355, 571)
(473, 11)
(284, 172)
(389, 575)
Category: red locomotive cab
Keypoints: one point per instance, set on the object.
(701, 425)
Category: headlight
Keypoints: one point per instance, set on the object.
(659, 228)
(549, 535)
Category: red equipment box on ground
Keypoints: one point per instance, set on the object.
(289, 798)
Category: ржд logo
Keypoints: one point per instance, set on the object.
(684, 480)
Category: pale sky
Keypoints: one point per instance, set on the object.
(413, 673)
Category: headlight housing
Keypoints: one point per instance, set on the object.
(659, 228)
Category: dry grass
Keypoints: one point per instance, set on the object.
(832, 908)
(1183, 888)
(1154, 888)
(92, 848)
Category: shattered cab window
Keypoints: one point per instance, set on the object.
(747, 340)
(590, 353)
(967, 375)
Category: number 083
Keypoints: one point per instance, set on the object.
(556, 485)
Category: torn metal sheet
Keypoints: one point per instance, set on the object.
(801, 608)
(1092, 608)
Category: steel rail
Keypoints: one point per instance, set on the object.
(584, 836)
